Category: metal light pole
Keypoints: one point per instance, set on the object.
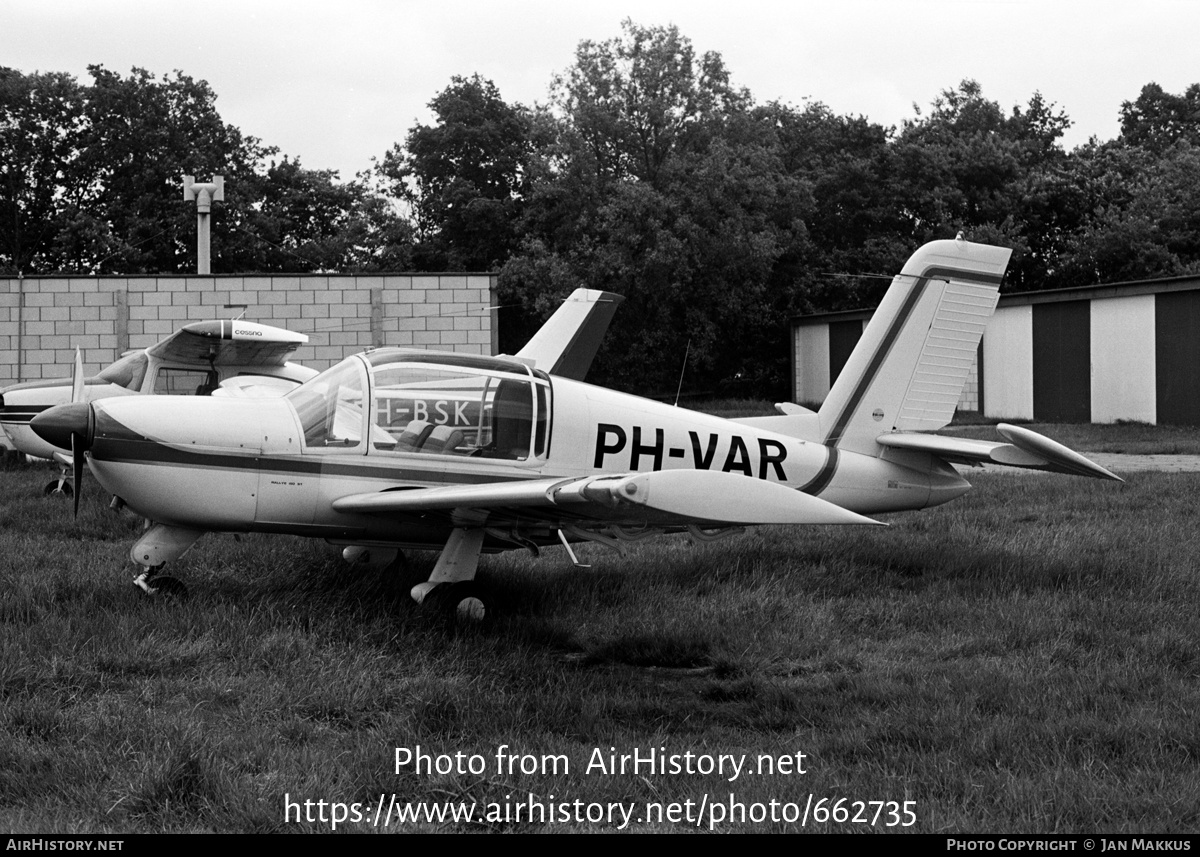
(205, 195)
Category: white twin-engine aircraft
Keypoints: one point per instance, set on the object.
(399, 448)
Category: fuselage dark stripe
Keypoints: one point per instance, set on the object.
(21, 414)
(893, 333)
(825, 475)
(106, 450)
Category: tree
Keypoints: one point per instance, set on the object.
(1000, 178)
(42, 124)
(90, 182)
(463, 177)
(295, 219)
(856, 223)
(1144, 215)
(662, 183)
(144, 135)
(1156, 120)
(637, 100)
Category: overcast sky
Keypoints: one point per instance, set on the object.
(335, 84)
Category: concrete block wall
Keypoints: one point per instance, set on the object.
(44, 319)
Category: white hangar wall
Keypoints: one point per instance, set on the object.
(810, 360)
(43, 319)
(1123, 362)
(1008, 364)
(1127, 351)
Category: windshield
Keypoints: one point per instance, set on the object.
(330, 407)
(128, 372)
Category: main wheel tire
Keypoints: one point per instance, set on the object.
(470, 609)
(462, 603)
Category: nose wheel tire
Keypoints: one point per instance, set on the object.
(59, 488)
(161, 585)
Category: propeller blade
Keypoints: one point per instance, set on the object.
(77, 448)
(77, 378)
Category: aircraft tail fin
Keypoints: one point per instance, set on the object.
(908, 369)
(567, 343)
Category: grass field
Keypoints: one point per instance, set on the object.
(1024, 659)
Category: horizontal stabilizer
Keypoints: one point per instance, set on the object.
(684, 496)
(792, 408)
(1058, 457)
(1026, 449)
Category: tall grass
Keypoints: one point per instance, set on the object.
(1025, 659)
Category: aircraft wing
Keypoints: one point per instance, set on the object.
(664, 498)
(1025, 448)
(567, 343)
(228, 343)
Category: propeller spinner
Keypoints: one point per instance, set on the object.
(72, 427)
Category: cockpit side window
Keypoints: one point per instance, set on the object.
(541, 440)
(512, 420)
(456, 410)
(184, 382)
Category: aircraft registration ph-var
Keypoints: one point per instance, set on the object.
(397, 448)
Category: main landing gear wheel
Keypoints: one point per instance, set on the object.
(461, 603)
(59, 488)
(468, 608)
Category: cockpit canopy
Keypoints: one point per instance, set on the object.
(393, 401)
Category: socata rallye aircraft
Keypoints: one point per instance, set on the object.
(397, 448)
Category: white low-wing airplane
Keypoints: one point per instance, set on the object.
(229, 357)
(399, 448)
